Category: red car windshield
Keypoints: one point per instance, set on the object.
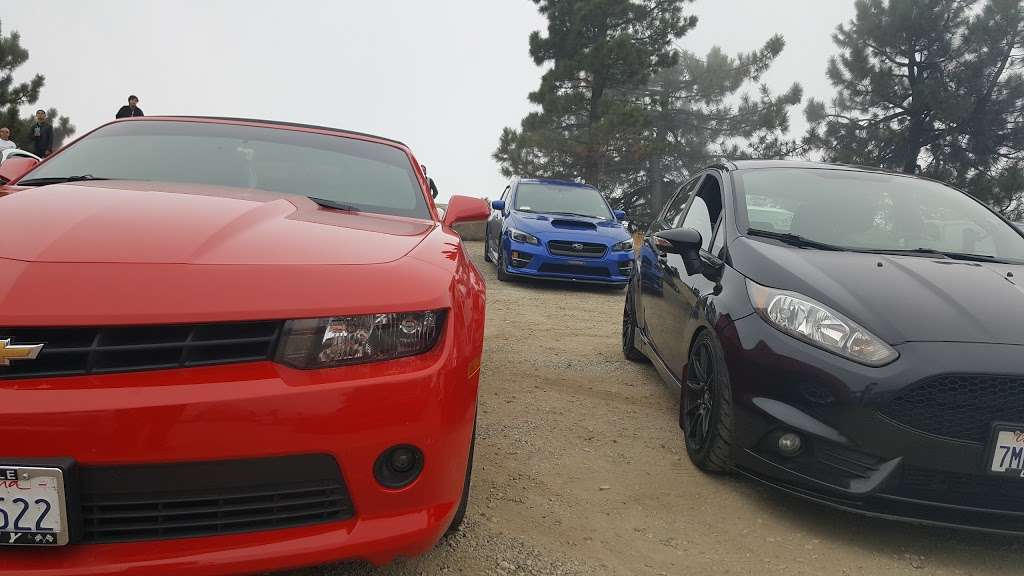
(367, 176)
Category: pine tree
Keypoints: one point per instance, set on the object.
(695, 113)
(932, 87)
(600, 52)
(15, 95)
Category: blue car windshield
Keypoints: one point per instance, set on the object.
(559, 199)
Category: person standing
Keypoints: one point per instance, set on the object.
(5, 139)
(131, 110)
(42, 136)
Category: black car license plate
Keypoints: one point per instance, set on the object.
(1007, 453)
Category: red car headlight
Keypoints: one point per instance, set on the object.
(326, 342)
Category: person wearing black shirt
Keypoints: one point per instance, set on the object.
(131, 110)
(42, 136)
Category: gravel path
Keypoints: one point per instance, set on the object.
(580, 470)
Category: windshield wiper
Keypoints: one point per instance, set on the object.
(941, 253)
(58, 180)
(795, 240)
(333, 204)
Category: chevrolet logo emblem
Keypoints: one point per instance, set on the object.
(10, 352)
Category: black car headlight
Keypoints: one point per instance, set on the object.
(520, 236)
(624, 246)
(819, 325)
(341, 340)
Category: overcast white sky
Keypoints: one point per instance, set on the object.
(444, 76)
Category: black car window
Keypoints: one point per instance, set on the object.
(674, 207)
(704, 212)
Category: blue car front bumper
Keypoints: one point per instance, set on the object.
(533, 261)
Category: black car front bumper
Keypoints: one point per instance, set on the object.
(906, 441)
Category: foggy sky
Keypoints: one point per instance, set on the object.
(444, 76)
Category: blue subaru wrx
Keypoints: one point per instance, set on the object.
(558, 230)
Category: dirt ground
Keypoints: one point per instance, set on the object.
(580, 469)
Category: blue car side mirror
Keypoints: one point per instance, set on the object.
(498, 205)
(619, 214)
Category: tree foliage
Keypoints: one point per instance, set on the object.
(14, 95)
(599, 52)
(932, 87)
(697, 112)
(624, 109)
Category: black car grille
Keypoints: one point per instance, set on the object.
(574, 270)
(959, 406)
(202, 499)
(585, 250)
(100, 350)
(975, 491)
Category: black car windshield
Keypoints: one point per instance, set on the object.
(368, 176)
(871, 211)
(561, 199)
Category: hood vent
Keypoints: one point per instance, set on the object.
(573, 225)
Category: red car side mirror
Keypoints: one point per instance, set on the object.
(466, 209)
(16, 167)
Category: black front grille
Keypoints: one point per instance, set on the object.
(207, 498)
(959, 406)
(576, 249)
(100, 350)
(976, 491)
(574, 270)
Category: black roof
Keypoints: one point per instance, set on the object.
(732, 165)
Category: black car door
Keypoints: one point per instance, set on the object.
(659, 275)
(687, 295)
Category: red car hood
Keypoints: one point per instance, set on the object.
(155, 223)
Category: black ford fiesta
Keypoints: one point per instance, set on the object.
(852, 336)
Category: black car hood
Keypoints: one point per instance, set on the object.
(898, 298)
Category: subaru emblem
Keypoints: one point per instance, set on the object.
(577, 247)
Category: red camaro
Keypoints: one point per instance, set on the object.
(230, 346)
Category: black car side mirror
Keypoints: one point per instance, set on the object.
(683, 241)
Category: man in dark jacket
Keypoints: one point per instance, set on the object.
(131, 110)
(42, 136)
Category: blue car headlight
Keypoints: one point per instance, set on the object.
(520, 236)
(624, 246)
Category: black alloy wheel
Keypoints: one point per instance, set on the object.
(629, 349)
(706, 406)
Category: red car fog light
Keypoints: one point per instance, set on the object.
(398, 466)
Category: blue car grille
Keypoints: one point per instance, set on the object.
(576, 249)
(574, 270)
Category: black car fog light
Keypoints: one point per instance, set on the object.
(398, 466)
(790, 444)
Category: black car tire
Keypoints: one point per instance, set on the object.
(487, 245)
(629, 349)
(460, 513)
(502, 274)
(705, 408)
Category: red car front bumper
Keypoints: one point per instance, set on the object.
(247, 411)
